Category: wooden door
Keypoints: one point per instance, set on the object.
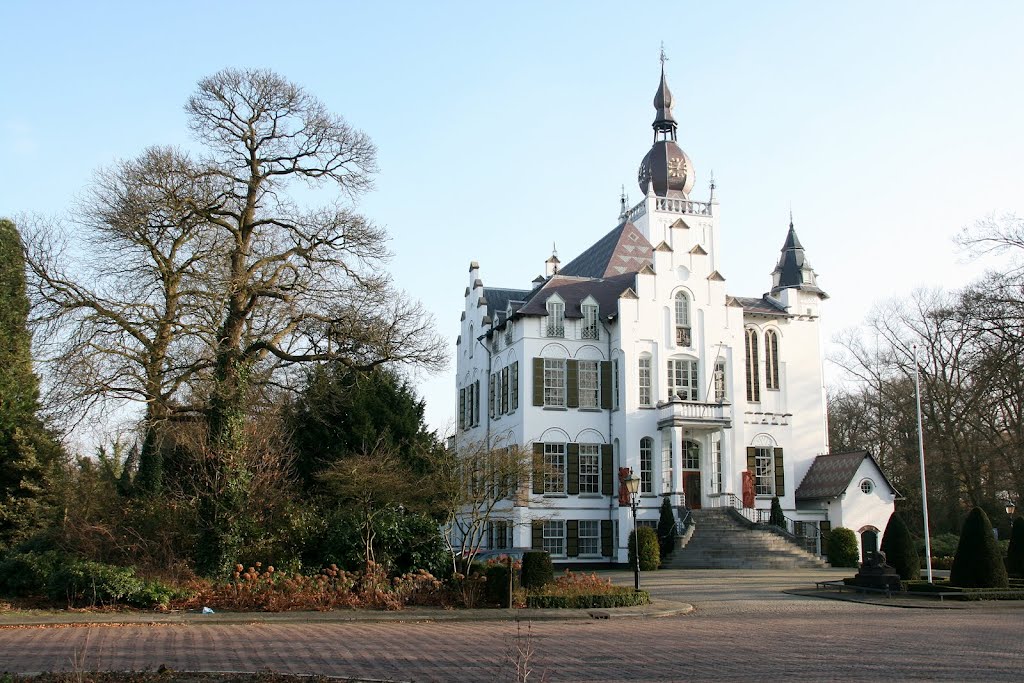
(868, 544)
(691, 489)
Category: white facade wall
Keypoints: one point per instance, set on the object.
(859, 511)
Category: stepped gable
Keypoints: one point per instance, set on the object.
(623, 250)
(573, 290)
(765, 305)
(830, 475)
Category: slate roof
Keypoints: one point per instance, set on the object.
(793, 269)
(830, 475)
(623, 250)
(498, 298)
(763, 306)
(573, 290)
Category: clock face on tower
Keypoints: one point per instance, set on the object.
(644, 174)
(676, 167)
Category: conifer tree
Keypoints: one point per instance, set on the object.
(978, 562)
(1015, 553)
(666, 529)
(899, 549)
(27, 451)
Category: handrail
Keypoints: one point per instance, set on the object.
(805, 534)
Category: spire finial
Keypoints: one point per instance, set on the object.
(662, 58)
(622, 202)
(712, 186)
(790, 214)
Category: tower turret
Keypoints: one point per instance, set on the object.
(666, 168)
(793, 270)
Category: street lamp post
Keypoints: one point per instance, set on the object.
(633, 487)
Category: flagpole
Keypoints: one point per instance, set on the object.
(924, 486)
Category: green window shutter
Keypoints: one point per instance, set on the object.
(780, 474)
(572, 538)
(752, 459)
(490, 397)
(538, 467)
(515, 386)
(825, 527)
(476, 402)
(606, 470)
(538, 536)
(606, 384)
(538, 381)
(462, 408)
(572, 387)
(573, 466)
(606, 537)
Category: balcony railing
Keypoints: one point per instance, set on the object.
(670, 205)
(694, 413)
(556, 330)
(590, 332)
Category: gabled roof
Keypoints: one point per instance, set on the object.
(573, 290)
(766, 305)
(623, 250)
(830, 475)
(498, 298)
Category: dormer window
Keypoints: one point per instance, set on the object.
(556, 319)
(683, 337)
(590, 329)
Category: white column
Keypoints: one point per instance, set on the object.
(677, 466)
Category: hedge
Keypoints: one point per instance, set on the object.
(842, 548)
(537, 569)
(626, 598)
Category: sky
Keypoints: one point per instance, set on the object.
(505, 128)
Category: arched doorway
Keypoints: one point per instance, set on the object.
(691, 474)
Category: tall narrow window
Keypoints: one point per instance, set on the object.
(590, 537)
(764, 472)
(514, 387)
(508, 333)
(720, 394)
(615, 384)
(682, 380)
(590, 329)
(472, 341)
(683, 337)
(556, 319)
(666, 461)
(587, 377)
(644, 381)
(646, 465)
(753, 383)
(503, 392)
(771, 360)
(554, 468)
(554, 537)
(554, 382)
(716, 465)
(462, 409)
(590, 468)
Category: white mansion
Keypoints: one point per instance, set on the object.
(633, 356)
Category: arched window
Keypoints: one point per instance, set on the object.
(472, 340)
(683, 337)
(771, 360)
(647, 465)
(753, 384)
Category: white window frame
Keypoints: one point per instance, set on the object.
(683, 375)
(721, 394)
(666, 461)
(771, 360)
(682, 317)
(554, 469)
(554, 537)
(554, 382)
(590, 329)
(556, 319)
(690, 456)
(764, 471)
(646, 465)
(589, 537)
(716, 465)
(753, 372)
(590, 468)
(644, 378)
(588, 380)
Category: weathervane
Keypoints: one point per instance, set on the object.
(663, 58)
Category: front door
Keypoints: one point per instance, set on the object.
(691, 489)
(868, 544)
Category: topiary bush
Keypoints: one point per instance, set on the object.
(978, 562)
(777, 518)
(497, 584)
(537, 569)
(650, 556)
(666, 529)
(898, 546)
(842, 548)
(1015, 552)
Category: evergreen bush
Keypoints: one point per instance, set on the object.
(27, 573)
(650, 557)
(777, 518)
(842, 548)
(978, 562)
(1015, 553)
(537, 569)
(666, 529)
(497, 583)
(898, 546)
(86, 583)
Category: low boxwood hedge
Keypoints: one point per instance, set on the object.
(626, 598)
(1014, 592)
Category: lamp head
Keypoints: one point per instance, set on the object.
(633, 483)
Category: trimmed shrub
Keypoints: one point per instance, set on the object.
(650, 557)
(777, 518)
(666, 529)
(537, 569)
(842, 548)
(626, 598)
(1015, 553)
(978, 562)
(898, 546)
(497, 584)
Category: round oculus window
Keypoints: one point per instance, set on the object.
(867, 486)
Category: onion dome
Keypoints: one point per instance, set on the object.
(666, 168)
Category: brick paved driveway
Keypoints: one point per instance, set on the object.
(731, 635)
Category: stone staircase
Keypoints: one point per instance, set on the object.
(720, 540)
